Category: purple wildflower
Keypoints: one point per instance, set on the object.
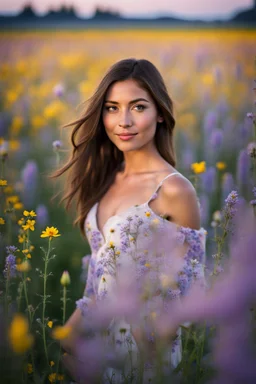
(254, 191)
(216, 138)
(243, 167)
(232, 199)
(42, 216)
(10, 266)
(227, 185)
(11, 249)
(250, 115)
(57, 144)
(231, 204)
(58, 90)
(29, 176)
(210, 122)
(209, 180)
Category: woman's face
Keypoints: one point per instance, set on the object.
(130, 116)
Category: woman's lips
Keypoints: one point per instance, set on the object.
(127, 137)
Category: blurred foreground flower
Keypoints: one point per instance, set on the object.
(20, 338)
(61, 332)
(50, 232)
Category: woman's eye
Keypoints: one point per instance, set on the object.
(140, 107)
(109, 108)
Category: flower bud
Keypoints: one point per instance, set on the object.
(65, 278)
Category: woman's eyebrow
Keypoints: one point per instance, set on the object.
(130, 102)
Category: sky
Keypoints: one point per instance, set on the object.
(206, 9)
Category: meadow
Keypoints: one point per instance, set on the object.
(45, 78)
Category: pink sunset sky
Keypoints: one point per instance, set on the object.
(187, 8)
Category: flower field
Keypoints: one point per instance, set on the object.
(45, 77)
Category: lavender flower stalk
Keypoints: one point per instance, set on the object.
(228, 214)
(9, 272)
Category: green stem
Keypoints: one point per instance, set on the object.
(30, 323)
(7, 291)
(64, 304)
(63, 322)
(20, 295)
(200, 351)
(2, 168)
(45, 299)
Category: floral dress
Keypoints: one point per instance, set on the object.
(155, 253)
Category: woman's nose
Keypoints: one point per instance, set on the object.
(125, 120)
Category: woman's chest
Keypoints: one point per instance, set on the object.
(120, 197)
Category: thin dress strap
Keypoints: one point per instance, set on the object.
(160, 184)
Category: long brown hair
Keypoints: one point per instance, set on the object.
(95, 160)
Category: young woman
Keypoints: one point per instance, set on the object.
(131, 199)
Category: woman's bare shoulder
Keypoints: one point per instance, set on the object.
(181, 201)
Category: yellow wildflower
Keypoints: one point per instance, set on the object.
(52, 377)
(2, 221)
(52, 363)
(198, 167)
(148, 265)
(25, 251)
(61, 332)
(12, 199)
(21, 238)
(29, 213)
(29, 368)
(50, 323)
(117, 253)
(24, 266)
(50, 232)
(30, 224)
(148, 214)
(18, 334)
(21, 221)
(31, 248)
(3, 182)
(28, 279)
(111, 244)
(221, 165)
(65, 279)
(18, 206)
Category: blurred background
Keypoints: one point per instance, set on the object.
(54, 53)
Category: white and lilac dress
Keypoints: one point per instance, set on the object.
(147, 246)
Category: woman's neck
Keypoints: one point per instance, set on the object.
(139, 162)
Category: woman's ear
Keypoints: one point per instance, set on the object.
(160, 119)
